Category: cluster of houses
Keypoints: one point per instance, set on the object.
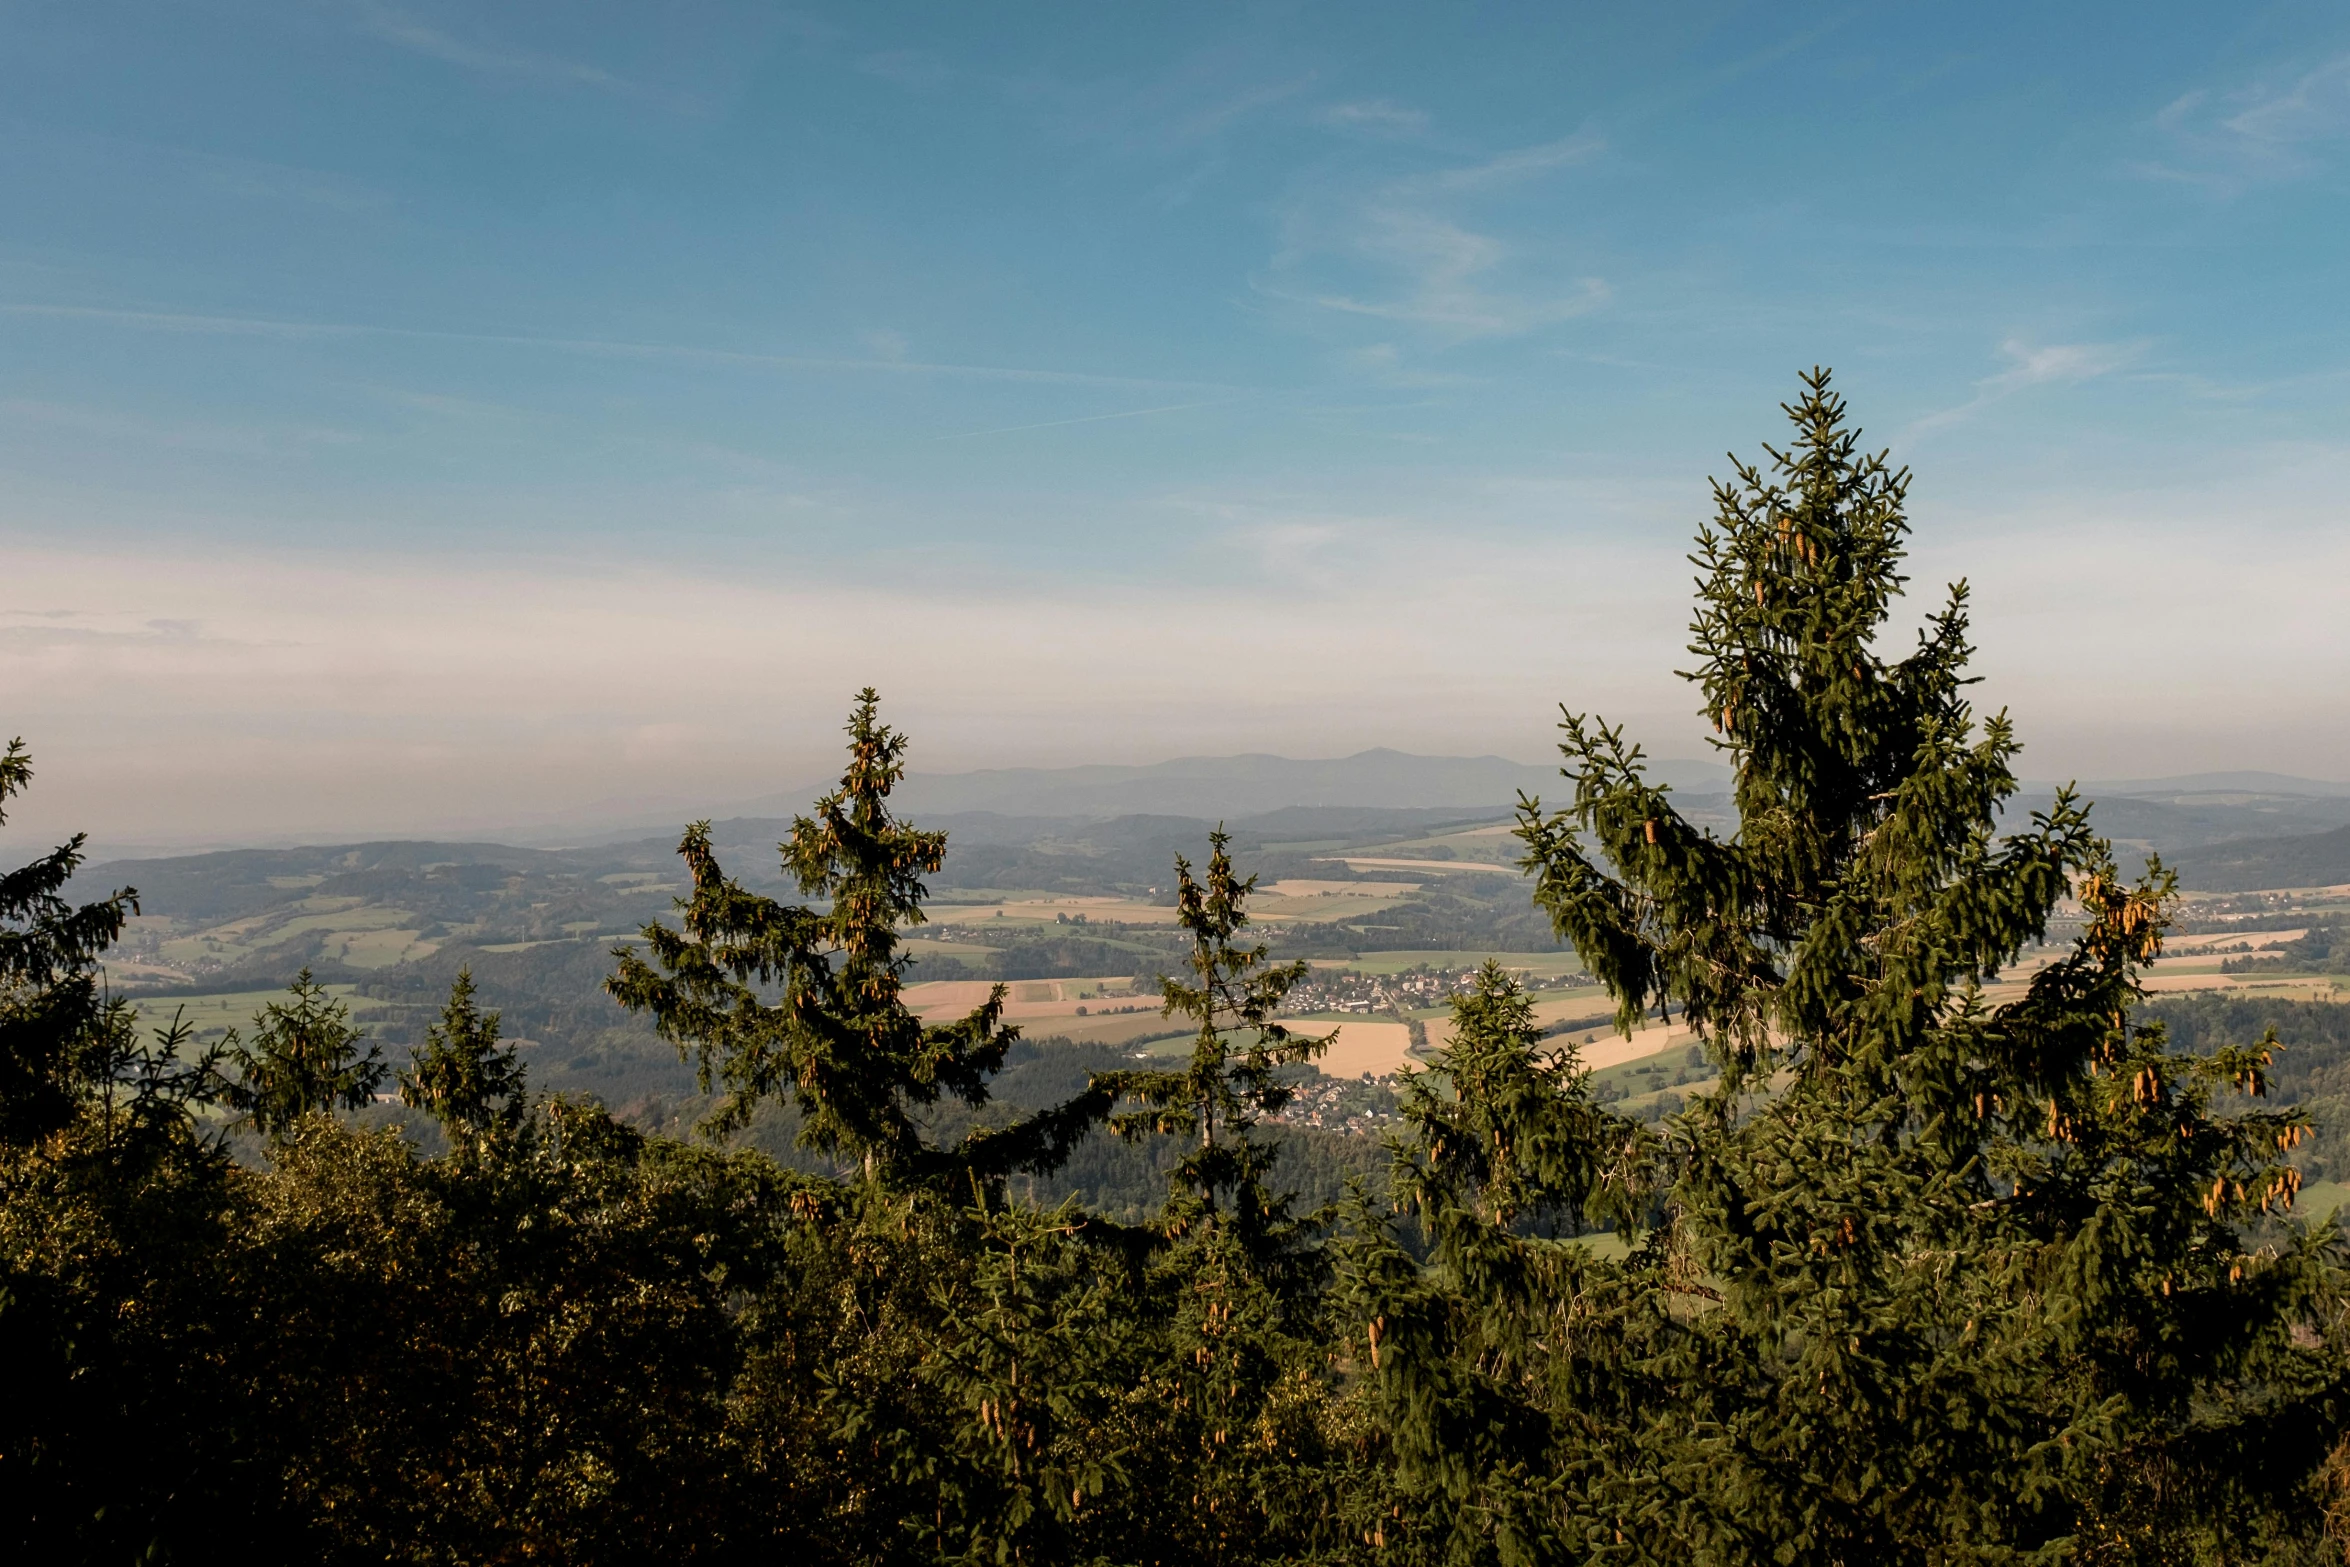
(1346, 990)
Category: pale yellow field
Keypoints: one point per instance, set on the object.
(1433, 867)
(1548, 1010)
(1612, 1049)
(1599, 1046)
(1300, 887)
(1358, 1046)
(132, 971)
(938, 998)
(2257, 940)
(2300, 987)
(1049, 1007)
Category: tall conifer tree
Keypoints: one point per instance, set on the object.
(1953, 1274)
(838, 1036)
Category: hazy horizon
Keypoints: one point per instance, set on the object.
(417, 419)
(1088, 791)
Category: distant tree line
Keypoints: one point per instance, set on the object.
(1923, 1279)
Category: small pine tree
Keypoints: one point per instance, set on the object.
(304, 1058)
(1216, 1101)
(464, 1078)
(838, 1037)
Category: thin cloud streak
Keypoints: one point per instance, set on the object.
(2054, 364)
(261, 326)
(1055, 424)
(1375, 115)
(2228, 141)
(1457, 280)
(1520, 163)
(390, 24)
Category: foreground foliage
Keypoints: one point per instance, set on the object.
(1928, 1276)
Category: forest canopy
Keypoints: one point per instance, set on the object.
(1921, 1273)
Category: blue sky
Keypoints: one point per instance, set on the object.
(420, 414)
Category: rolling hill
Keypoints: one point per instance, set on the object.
(2305, 860)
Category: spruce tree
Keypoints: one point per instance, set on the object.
(51, 1007)
(1499, 1368)
(1947, 1273)
(1227, 1318)
(304, 1058)
(838, 1037)
(112, 1213)
(1233, 1078)
(464, 1078)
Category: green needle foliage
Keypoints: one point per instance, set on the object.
(49, 999)
(464, 1078)
(1949, 1279)
(303, 1059)
(1499, 1370)
(837, 1036)
(1233, 1078)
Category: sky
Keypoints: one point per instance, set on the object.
(435, 417)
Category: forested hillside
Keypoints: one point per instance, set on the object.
(2304, 860)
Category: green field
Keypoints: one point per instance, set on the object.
(212, 1016)
(2319, 1199)
(924, 949)
(1606, 1245)
(344, 930)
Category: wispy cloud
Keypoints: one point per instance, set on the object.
(1196, 101)
(1451, 275)
(1055, 424)
(2053, 364)
(1232, 108)
(253, 440)
(399, 27)
(262, 326)
(1520, 163)
(1377, 116)
(1384, 364)
(2226, 140)
(156, 632)
(1425, 259)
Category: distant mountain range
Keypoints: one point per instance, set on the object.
(2149, 814)
(2214, 786)
(1235, 786)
